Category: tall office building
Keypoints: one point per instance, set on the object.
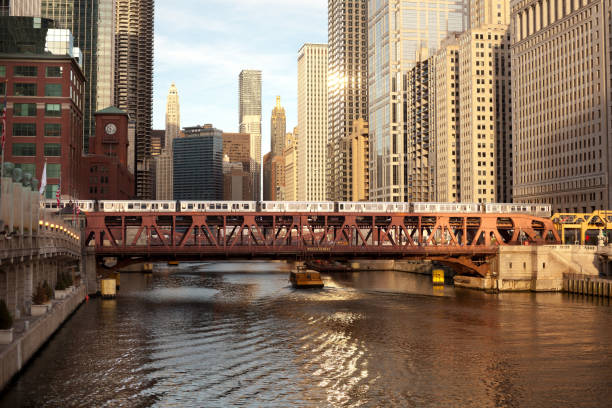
(444, 124)
(347, 85)
(278, 128)
(198, 164)
(312, 122)
(20, 8)
(163, 162)
(249, 101)
(562, 103)
(91, 23)
(398, 32)
(134, 81)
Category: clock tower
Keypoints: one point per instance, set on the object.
(111, 134)
(107, 174)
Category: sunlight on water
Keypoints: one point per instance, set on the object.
(236, 334)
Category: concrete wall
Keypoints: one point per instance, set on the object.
(535, 268)
(19, 352)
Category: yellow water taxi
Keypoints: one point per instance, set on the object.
(305, 278)
(173, 263)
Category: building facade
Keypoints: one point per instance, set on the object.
(198, 164)
(400, 33)
(290, 167)
(485, 115)
(44, 120)
(562, 103)
(249, 101)
(134, 81)
(355, 147)
(347, 85)
(21, 8)
(312, 122)
(444, 125)
(417, 169)
(237, 150)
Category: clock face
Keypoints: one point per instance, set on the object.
(110, 129)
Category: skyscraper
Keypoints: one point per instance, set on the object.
(312, 122)
(347, 85)
(290, 167)
(163, 162)
(562, 103)
(198, 164)
(91, 23)
(399, 32)
(20, 8)
(249, 101)
(134, 81)
(278, 129)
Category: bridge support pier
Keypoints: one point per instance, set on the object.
(534, 268)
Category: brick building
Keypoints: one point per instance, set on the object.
(44, 118)
(106, 175)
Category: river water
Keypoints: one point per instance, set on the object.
(236, 334)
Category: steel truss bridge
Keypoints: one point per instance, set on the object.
(462, 240)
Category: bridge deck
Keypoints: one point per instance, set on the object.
(200, 235)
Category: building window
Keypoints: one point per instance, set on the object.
(53, 149)
(51, 190)
(53, 109)
(53, 130)
(24, 89)
(54, 170)
(53, 90)
(2, 88)
(2, 71)
(24, 109)
(24, 129)
(26, 71)
(24, 149)
(27, 168)
(54, 72)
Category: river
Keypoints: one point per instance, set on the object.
(236, 334)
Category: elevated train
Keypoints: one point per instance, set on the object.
(539, 210)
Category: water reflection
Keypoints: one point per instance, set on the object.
(228, 334)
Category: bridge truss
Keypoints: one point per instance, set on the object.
(465, 241)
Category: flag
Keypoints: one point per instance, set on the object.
(43, 180)
(58, 194)
(4, 115)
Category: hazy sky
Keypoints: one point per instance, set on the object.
(202, 45)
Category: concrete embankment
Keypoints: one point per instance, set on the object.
(535, 268)
(422, 266)
(14, 356)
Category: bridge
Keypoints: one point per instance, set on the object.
(465, 241)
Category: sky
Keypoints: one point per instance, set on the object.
(202, 45)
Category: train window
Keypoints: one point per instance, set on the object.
(190, 206)
(166, 206)
(130, 206)
(235, 207)
(245, 206)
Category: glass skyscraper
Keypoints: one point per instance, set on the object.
(400, 33)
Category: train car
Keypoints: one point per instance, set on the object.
(373, 207)
(137, 205)
(297, 206)
(83, 205)
(447, 207)
(217, 206)
(538, 210)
